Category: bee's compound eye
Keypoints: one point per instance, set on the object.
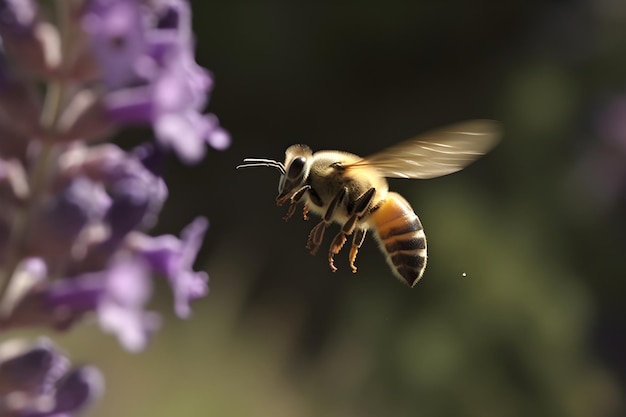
(296, 167)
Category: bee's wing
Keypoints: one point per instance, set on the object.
(436, 153)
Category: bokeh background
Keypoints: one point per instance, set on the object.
(536, 327)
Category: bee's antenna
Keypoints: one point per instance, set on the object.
(261, 162)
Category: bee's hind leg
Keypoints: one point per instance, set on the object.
(360, 207)
(357, 241)
(317, 234)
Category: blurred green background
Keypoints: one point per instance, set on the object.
(536, 328)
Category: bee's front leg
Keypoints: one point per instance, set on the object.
(317, 234)
(294, 200)
(360, 207)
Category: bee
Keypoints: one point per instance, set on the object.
(353, 191)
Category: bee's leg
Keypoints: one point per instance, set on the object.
(317, 234)
(360, 207)
(305, 211)
(357, 241)
(294, 200)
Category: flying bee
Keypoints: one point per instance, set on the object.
(353, 191)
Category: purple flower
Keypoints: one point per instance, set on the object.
(76, 390)
(177, 121)
(117, 294)
(121, 310)
(35, 381)
(30, 367)
(66, 215)
(109, 275)
(117, 36)
(170, 89)
(73, 210)
(136, 195)
(174, 258)
(17, 17)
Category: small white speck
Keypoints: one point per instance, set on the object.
(463, 274)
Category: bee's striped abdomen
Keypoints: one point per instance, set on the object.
(401, 236)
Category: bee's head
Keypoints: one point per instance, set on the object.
(297, 167)
(294, 171)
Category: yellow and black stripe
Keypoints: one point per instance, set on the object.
(401, 236)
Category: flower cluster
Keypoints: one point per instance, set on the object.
(73, 208)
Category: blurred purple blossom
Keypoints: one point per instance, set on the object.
(35, 381)
(148, 65)
(117, 34)
(17, 16)
(174, 258)
(74, 210)
(121, 311)
(67, 214)
(30, 368)
(117, 295)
